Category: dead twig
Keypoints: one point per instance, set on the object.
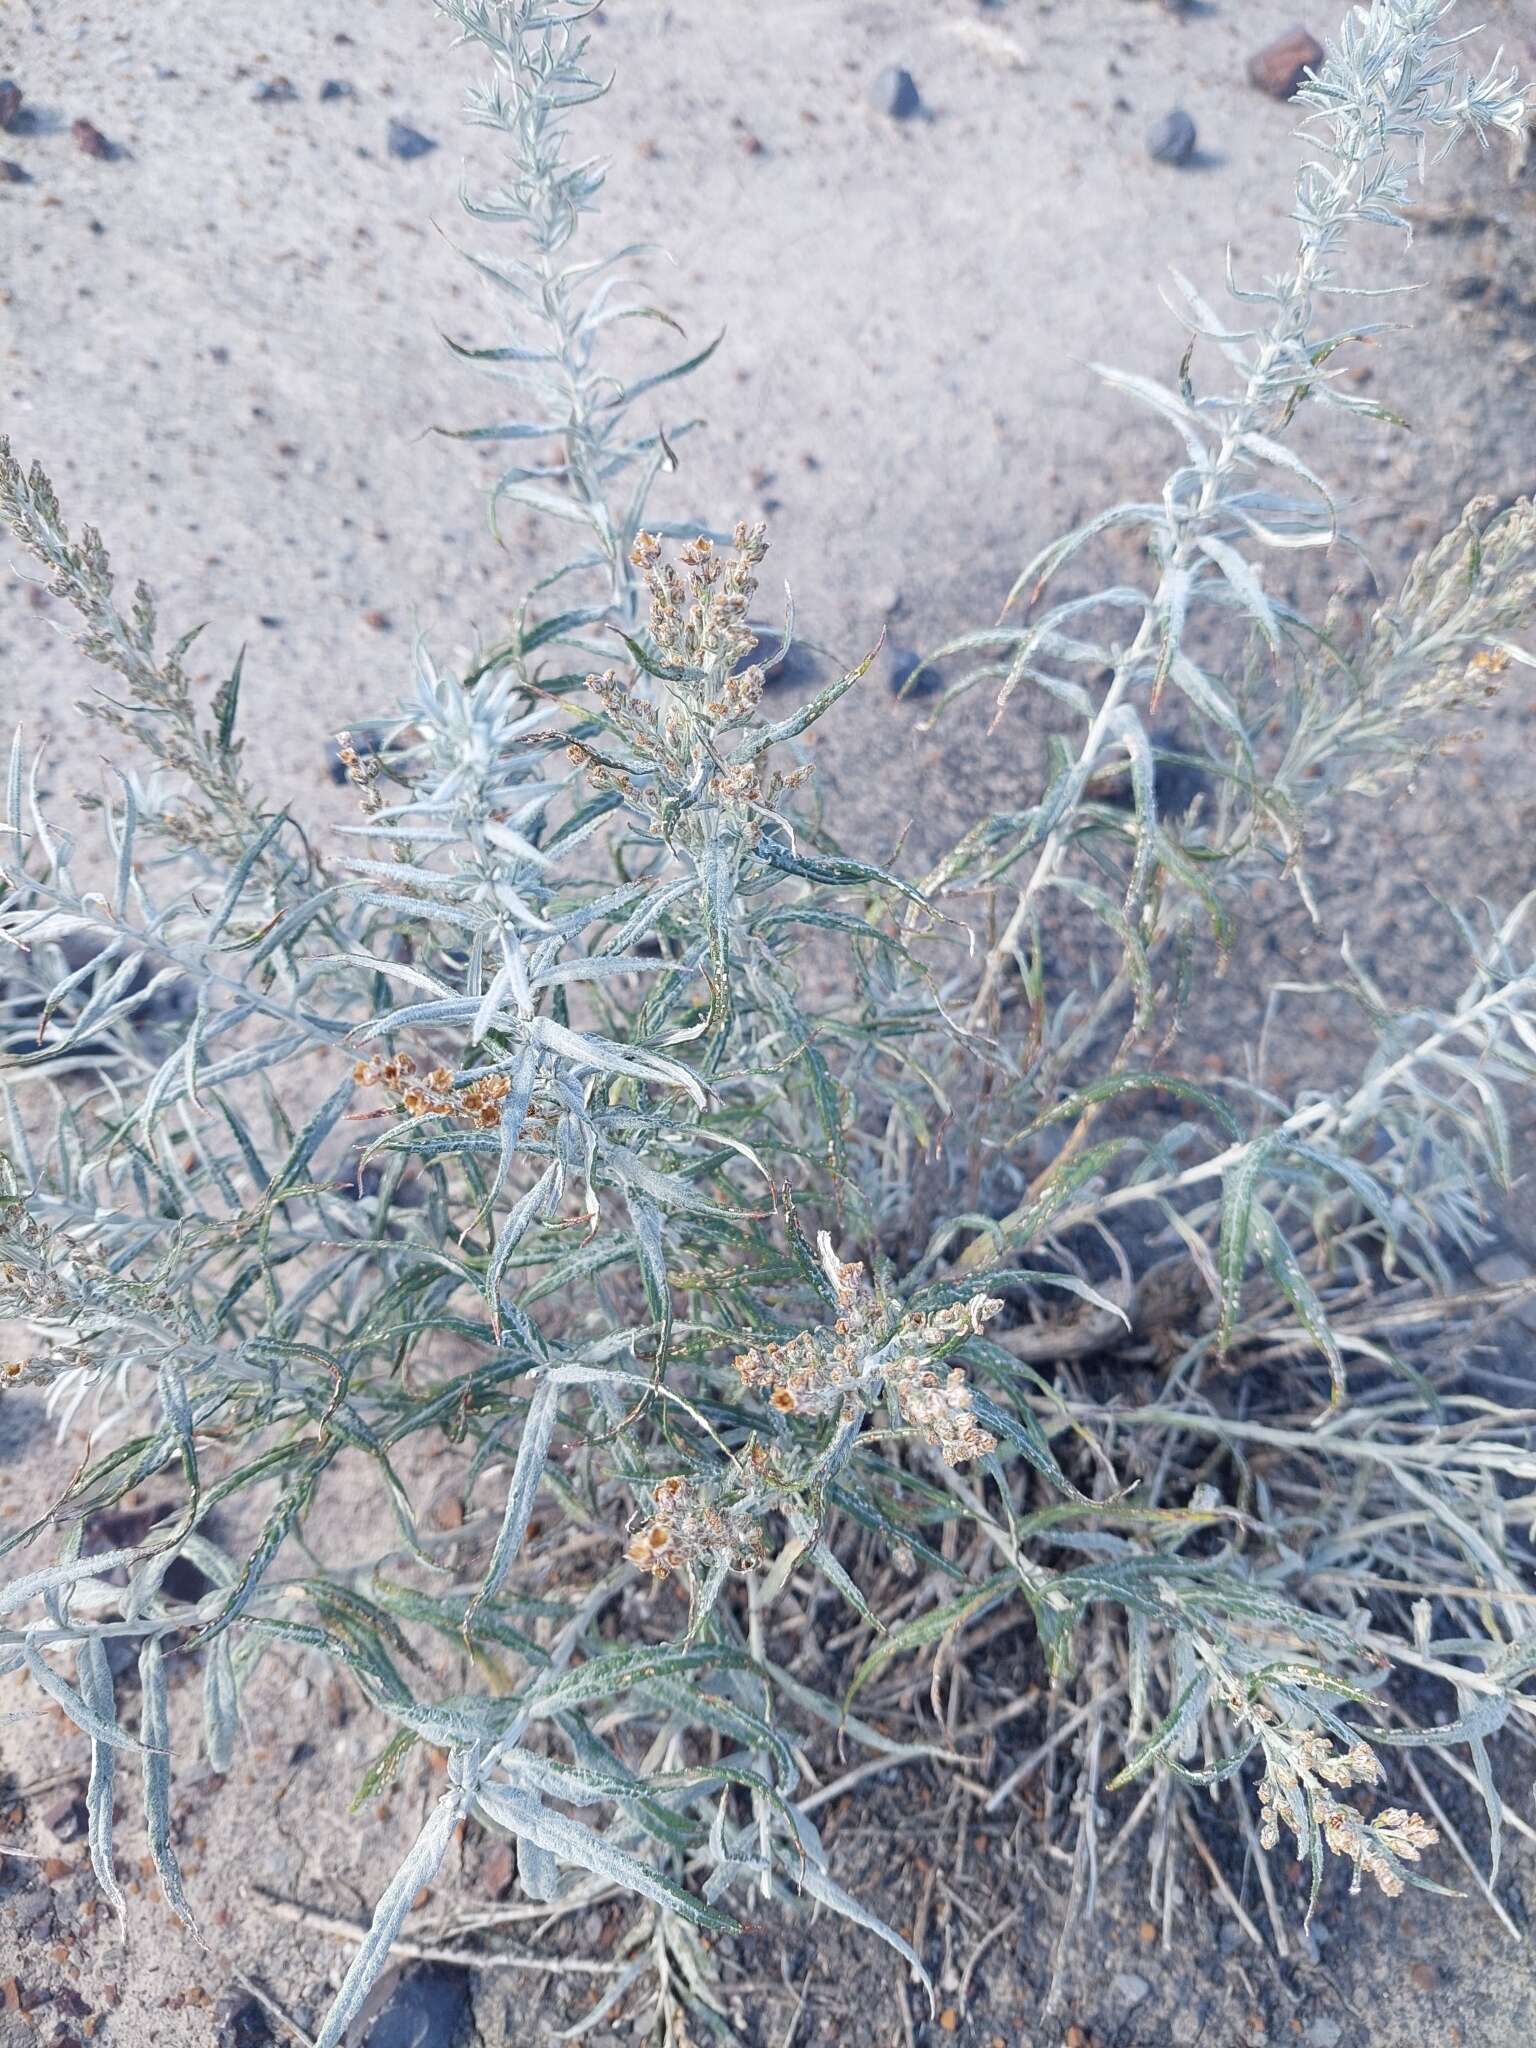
(272, 2009)
(986, 1941)
(1037, 1757)
(1224, 1891)
(300, 1915)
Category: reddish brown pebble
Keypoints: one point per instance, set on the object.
(379, 621)
(110, 1995)
(421, 1898)
(1280, 66)
(90, 140)
(1075, 2037)
(1422, 1977)
(1148, 1932)
(498, 1869)
(55, 1869)
(949, 2020)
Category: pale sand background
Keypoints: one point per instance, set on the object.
(223, 347)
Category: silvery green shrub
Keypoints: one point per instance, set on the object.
(754, 1222)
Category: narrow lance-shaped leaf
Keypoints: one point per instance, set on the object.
(155, 1733)
(96, 1690)
(532, 1452)
(419, 1868)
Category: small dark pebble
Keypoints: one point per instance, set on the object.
(905, 679)
(893, 92)
(270, 620)
(1175, 784)
(66, 1819)
(424, 2003)
(13, 173)
(239, 2022)
(122, 1657)
(91, 142)
(10, 104)
(1474, 286)
(1172, 139)
(360, 1179)
(338, 89)
(364, 743)
(185, 1580)
(276, 90)
(784, 668)
(407, 142)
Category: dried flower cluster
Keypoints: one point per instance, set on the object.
(699, 622)
(1297, 1769)
(844, 1370)
(686, 695)
(477, 1101)
(689, 1529)
(362, 773)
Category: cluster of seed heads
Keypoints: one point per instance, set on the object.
(1296, 1771)
(689, 1529)
(477, 1102)
(362, 773)
(844, 1370)
(45, 1276)
(698, 629)
(700, 621)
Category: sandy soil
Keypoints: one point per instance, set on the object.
(222, 342)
